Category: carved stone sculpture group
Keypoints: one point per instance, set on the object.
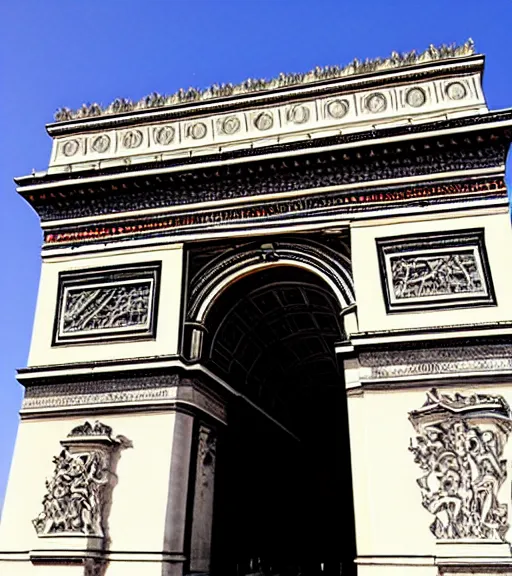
(76, 494)
(156, 100)
(105, 308)
(459, 449)
(436, 275)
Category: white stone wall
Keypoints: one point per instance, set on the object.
(371, 310)
(168, 323)
(138, 520)
(391, 524)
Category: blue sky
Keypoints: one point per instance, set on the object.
(62, 53)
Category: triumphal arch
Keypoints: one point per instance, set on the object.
(273, 333)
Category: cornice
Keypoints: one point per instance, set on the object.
(474, 148)
(492, 333)
(101, 172)
(269, 214)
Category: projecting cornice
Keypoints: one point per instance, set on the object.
(405, 168)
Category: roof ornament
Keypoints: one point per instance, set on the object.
(156, 100)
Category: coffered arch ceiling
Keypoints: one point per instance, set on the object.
(271, 336)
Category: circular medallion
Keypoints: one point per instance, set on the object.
(101, 143)
(376, 103)
(164, 135)
(197, 130)
(416, 97)
(298, 114)
(230, 125)
(132, 139)
(456, 91)
(337, 108)
(264, 121)
(70, 148)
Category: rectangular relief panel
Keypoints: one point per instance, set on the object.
(435, 271)
(107, 304)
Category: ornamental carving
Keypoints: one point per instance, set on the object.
(348, 203)
(337, 108)
(363, 164)
(207, 447)
(229, 125)
(436, 270)
(107, 303)
(196, 131)
(376, 103)
(156, 389)
(132, 139)
(356, 67)
(416, 97)
(436, 274)
(164, 135)
(101, 143)
(88, 429)
(70, 148)
(298, 114)
(206, 456)
(456, 91)
(459, 449)
(264, 121)
(388, 364)
(106, 307)
(79, 490)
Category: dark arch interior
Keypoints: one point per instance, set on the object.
(284, 492)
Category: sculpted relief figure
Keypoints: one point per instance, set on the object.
(459, 450)
(103, 308)
(436, 275)
(75, 497)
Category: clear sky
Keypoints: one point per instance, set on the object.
(63, 53)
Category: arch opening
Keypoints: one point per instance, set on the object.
(283, 494)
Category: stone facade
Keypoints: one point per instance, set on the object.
(290, 304)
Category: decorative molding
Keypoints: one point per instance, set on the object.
(438, 270)
(428, 362)
(334, 265)
(456, 91)
(78, 492)
(459, 449)
(272, 211)
(108, 303)
(267, 176)
(122, 391)
(318, 74)
(351, 108)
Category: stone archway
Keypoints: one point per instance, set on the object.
(283, 491)
(332, 266)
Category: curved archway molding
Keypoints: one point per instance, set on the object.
(212, 280)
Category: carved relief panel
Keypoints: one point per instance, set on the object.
(435, 271)
(79, 490)
(107, 304)
(459, 449)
